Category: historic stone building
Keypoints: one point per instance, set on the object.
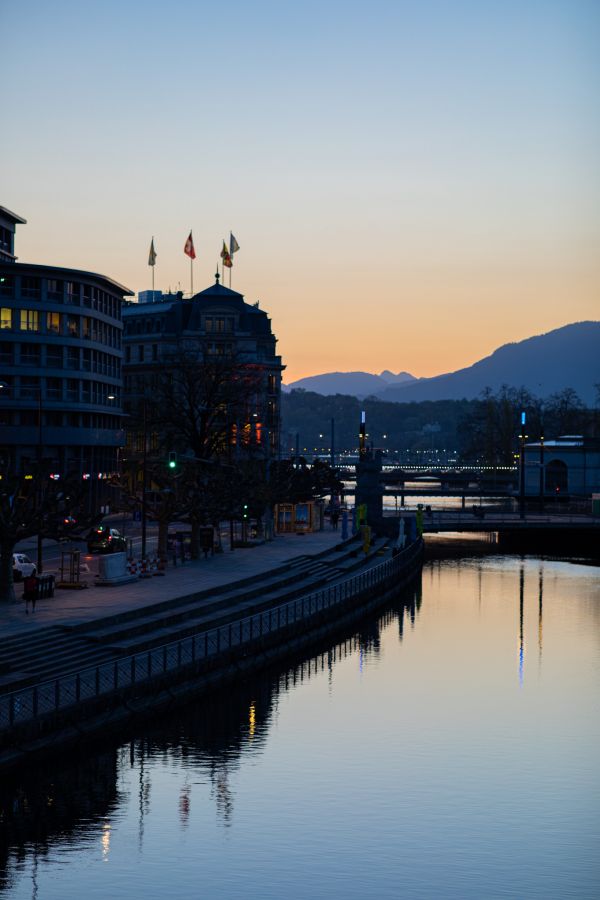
(216, 323)
(60, 367)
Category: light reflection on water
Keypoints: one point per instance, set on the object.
(447, 749)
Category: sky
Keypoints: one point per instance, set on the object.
(411, 184)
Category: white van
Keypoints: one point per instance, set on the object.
(22, 566)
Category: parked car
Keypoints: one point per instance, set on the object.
(105, 540)
(22, 567)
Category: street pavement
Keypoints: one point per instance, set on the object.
(72, 607)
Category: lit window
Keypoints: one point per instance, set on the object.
(6, 318)
(30, 320)
(53, 322)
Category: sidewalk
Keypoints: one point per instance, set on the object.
(73, 607)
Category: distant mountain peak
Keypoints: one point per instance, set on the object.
(544, 364)
(358, 384)
(396, 379)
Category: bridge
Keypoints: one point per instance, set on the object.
(456, 476)
(475, 520)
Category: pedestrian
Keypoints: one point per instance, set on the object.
(335, 517)
(30, 591)
(173, 550)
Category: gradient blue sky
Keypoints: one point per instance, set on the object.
(411, 184)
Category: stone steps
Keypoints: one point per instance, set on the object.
(58, 650)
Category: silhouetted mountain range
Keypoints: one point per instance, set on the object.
(544, 364)
(356, 384)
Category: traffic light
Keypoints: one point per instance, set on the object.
(172, 460)
(244, 511)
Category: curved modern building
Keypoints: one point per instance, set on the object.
(60, 366)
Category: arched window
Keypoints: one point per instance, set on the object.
(557, 476)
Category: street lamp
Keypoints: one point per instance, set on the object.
(144, 508)
(522, 437)
(4, 386)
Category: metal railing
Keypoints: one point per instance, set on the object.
(489, 517)
(29, 703)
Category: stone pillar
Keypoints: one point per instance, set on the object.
(369, 487)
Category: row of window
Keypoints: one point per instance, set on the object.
(57, 419)
(140, 384)
(154, 324)
(62, 292)
(151, 325)
(6, 240)
(138, 353)
(54, 356)
(37, 322)
(141, 353)
(64, 389)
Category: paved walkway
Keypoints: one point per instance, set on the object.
(72, 607)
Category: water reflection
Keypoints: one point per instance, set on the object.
(75, 803)
(429, 719)
(69, 805)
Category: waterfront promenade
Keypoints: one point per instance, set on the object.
(72, 607)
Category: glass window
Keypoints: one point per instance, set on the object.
(6, 240)
(7, 285)
(30, 355)
(55, 289)
(140, 353)
(5, 317)
(30, 387)
(54, 388)
(53, 322)
(73, 289)
(30, 287)
(30, 320)
(54, 357)
(73, 326)
(208, 324)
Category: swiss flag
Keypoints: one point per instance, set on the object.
(189, 247)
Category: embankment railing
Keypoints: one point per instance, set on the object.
(31, 702)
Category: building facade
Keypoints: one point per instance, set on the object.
(569, 465)
(60, 367)
(215, 324)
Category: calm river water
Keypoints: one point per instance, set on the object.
(447, 749)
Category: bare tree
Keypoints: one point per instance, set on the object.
(31, 505)
(206, 405)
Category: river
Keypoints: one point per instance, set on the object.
(446, 749)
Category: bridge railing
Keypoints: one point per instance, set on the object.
(58, 694)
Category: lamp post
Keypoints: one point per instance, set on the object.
(144, 508)
(4, 386)
(522, 437)
(144, 476)
(541, 468)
